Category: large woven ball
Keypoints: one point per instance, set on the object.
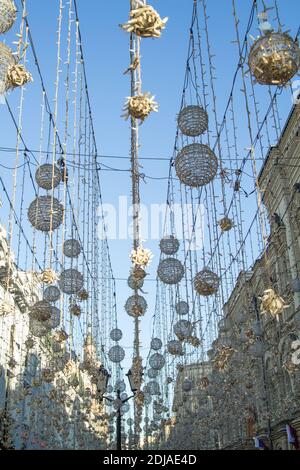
(206, 282)
(39, 329)
(175, 348)
(51, 294)
(182, 308)
(8, 15)
(157, 361)
(169, 245)
(71, 281)
(48, 176)
(153, 388)
(274, 59)
(136, 306)
(46, 213)
(183, 329)
(152, 374)
(193, 121)
(72, 248)
(116, 354)
(40, 311)
(196, 165)
(170, 271)
(134, 283)
(7, 60)
(116, 334)
(156, 344)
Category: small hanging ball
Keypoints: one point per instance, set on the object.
(196, 165)
(175, 348)
(152, 388)
(206, 283)
(40, 311)
(193, 121)
(46, 213)
(116, 354)
(39, 329)
(72, 248)
(48, 176)
(170, 271)
(135, 283)
(156, 344)
(157, 361)
(152, 374)
(136, 306)
(8, 15)
(274, 59)
(169, 245)
(51, 294)
(187, 385)
(71, 281)
(116, 334)
(183, 329)
(182, 308)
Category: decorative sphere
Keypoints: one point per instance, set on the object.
(72, 248)
(8, 15)
(40, 311)
(157, 361)
(116, 334)
(51, 294)
(136, 306)
(170, 271)
(46, 213)
(48, 176)
(120, 385)
(206, 282)
(134, 283)
(175, 348)
(7, 60)
(153, 388)
(196, 165)
(187, 385)
(182, 308)
(193, 121)
(274, 59)
(156, 344)
(71, 281)
(116, 354)
(152, 374)
(183, 329)
(169, 245)
(38, 328)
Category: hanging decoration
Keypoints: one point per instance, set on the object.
(136, 306)
(140, 106)
(141, 257)
(169, 245)
(46, 213)
(48, 176)
(196, 165)
(272, 303)
(8, 15)
(193, 121)
(170, 271)
(206, 282)
(145, 21)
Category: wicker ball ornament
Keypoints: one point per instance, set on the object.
(136, 306)
(7, 61)
(71, 281)
(39, 329)
(116, 354)
(152, 374)
(40, 311)
(157, 361)
(116, 334)
(170, 271)
(182, 308)
(153, 388)
(175, 348)
(48, 176)
(274, 59)
(156, 344)
(187, 385)
(46, 213)
(183, 329)
(51, 294)
(196, 165)
(8, 15)
(206, 283)
(134, 283)
(169, 245)
(72, 248)
(193, 121)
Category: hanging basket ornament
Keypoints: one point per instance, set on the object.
(156, 344)
(272, 303)
(274, 59)
(72, 248)
(116, 354)
(170, 271)
(8, 15)
(116, 334)
(40, 311)
(136, 306)
(157, 361)
(193, 121)
(196, 165)
(206, 283)
(138, 273)
(183, 329)
(175, 348)
(140, 106)
(51, 294)
(46, 213)
(48, 176)
(182, 308)
(169, 245)
(226, 224)
(135, 284)
(145, 21)
(71, 281)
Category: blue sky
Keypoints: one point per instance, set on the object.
(106, 49)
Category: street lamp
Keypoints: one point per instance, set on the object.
(133, 387)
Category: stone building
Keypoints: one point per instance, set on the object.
(253, 382)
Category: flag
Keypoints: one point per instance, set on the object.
(292, 436)
(259, 444)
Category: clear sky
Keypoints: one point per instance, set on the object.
(106, 49)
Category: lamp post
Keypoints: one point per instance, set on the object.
(120, 402)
